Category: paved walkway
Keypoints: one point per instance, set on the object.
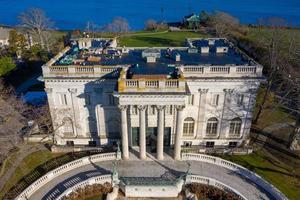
(150, 168)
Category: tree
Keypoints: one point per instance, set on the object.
(118, 25)
(223, 23)
(273, 44)
(6, 64)
(151, 24)
(17, 43)
(36, 21)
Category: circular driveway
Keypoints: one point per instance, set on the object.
(150, 168)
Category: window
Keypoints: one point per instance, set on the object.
(188, 127)
(70, 143)
(92, 143)
(191, 99)
(63, 99)
(210, 144)
(215, 99)
(235, 127)
(87, 98)
(187, 144)
(134, 110)
(68, 125)
(240, 99)
(232, 144)
(212, 126)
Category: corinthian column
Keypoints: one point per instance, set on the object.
(142, 120)
(125, 151)
(179, 129)
(160, 134)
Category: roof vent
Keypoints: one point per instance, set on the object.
(222, 49)
(192, 50)
(204, 49)
(177, 57)
(211, 42)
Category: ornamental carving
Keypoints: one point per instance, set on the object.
(228, 91)
(203, 91)
(142, 107)
(180, 107)
(123, 107)
(160, 107)
(72, 90)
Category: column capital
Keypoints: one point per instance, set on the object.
(72, 90)
(228, 91)
(160, 107)
(142, 107)
(203, 91)
(180, 107)
(48, 90)
(123, 107)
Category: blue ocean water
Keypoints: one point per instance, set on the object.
(73, 14)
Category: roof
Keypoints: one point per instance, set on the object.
(141, 181)
(162, 61)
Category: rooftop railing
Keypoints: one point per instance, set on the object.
(222, 71)
(144, 85)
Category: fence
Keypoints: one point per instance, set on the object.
(213, 182)
(62, 169)
(91, 181)
(238, 169)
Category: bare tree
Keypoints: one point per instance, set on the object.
(36, 21)
(272, 41)
(223, 23)
(118, 25)
(151, 24)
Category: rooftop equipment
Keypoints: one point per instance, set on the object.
(204, 49)
(192, 50)
(211, 41)
(222, 49)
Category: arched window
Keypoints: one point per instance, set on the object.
(188, 127)
(235, 127)
(113, 128)
(68, 125)
(212, 126)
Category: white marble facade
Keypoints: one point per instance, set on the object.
(210, 108)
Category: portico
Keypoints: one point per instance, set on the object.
(157, 102)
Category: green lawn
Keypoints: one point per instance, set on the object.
(158, 39)
(27, 165)
(280, 172)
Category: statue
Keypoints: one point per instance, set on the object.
(115, 175)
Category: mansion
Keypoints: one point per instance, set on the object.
(153, 99)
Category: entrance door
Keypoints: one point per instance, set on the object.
(135, 134)
(167, 137)
(151, 137)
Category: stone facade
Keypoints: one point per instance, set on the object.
(207, 105)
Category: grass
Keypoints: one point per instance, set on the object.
(158, 39)
(278, 171)
(27, 165)
(272, 113)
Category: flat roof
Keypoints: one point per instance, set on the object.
(164, 64)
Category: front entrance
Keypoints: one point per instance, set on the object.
(151, 135)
